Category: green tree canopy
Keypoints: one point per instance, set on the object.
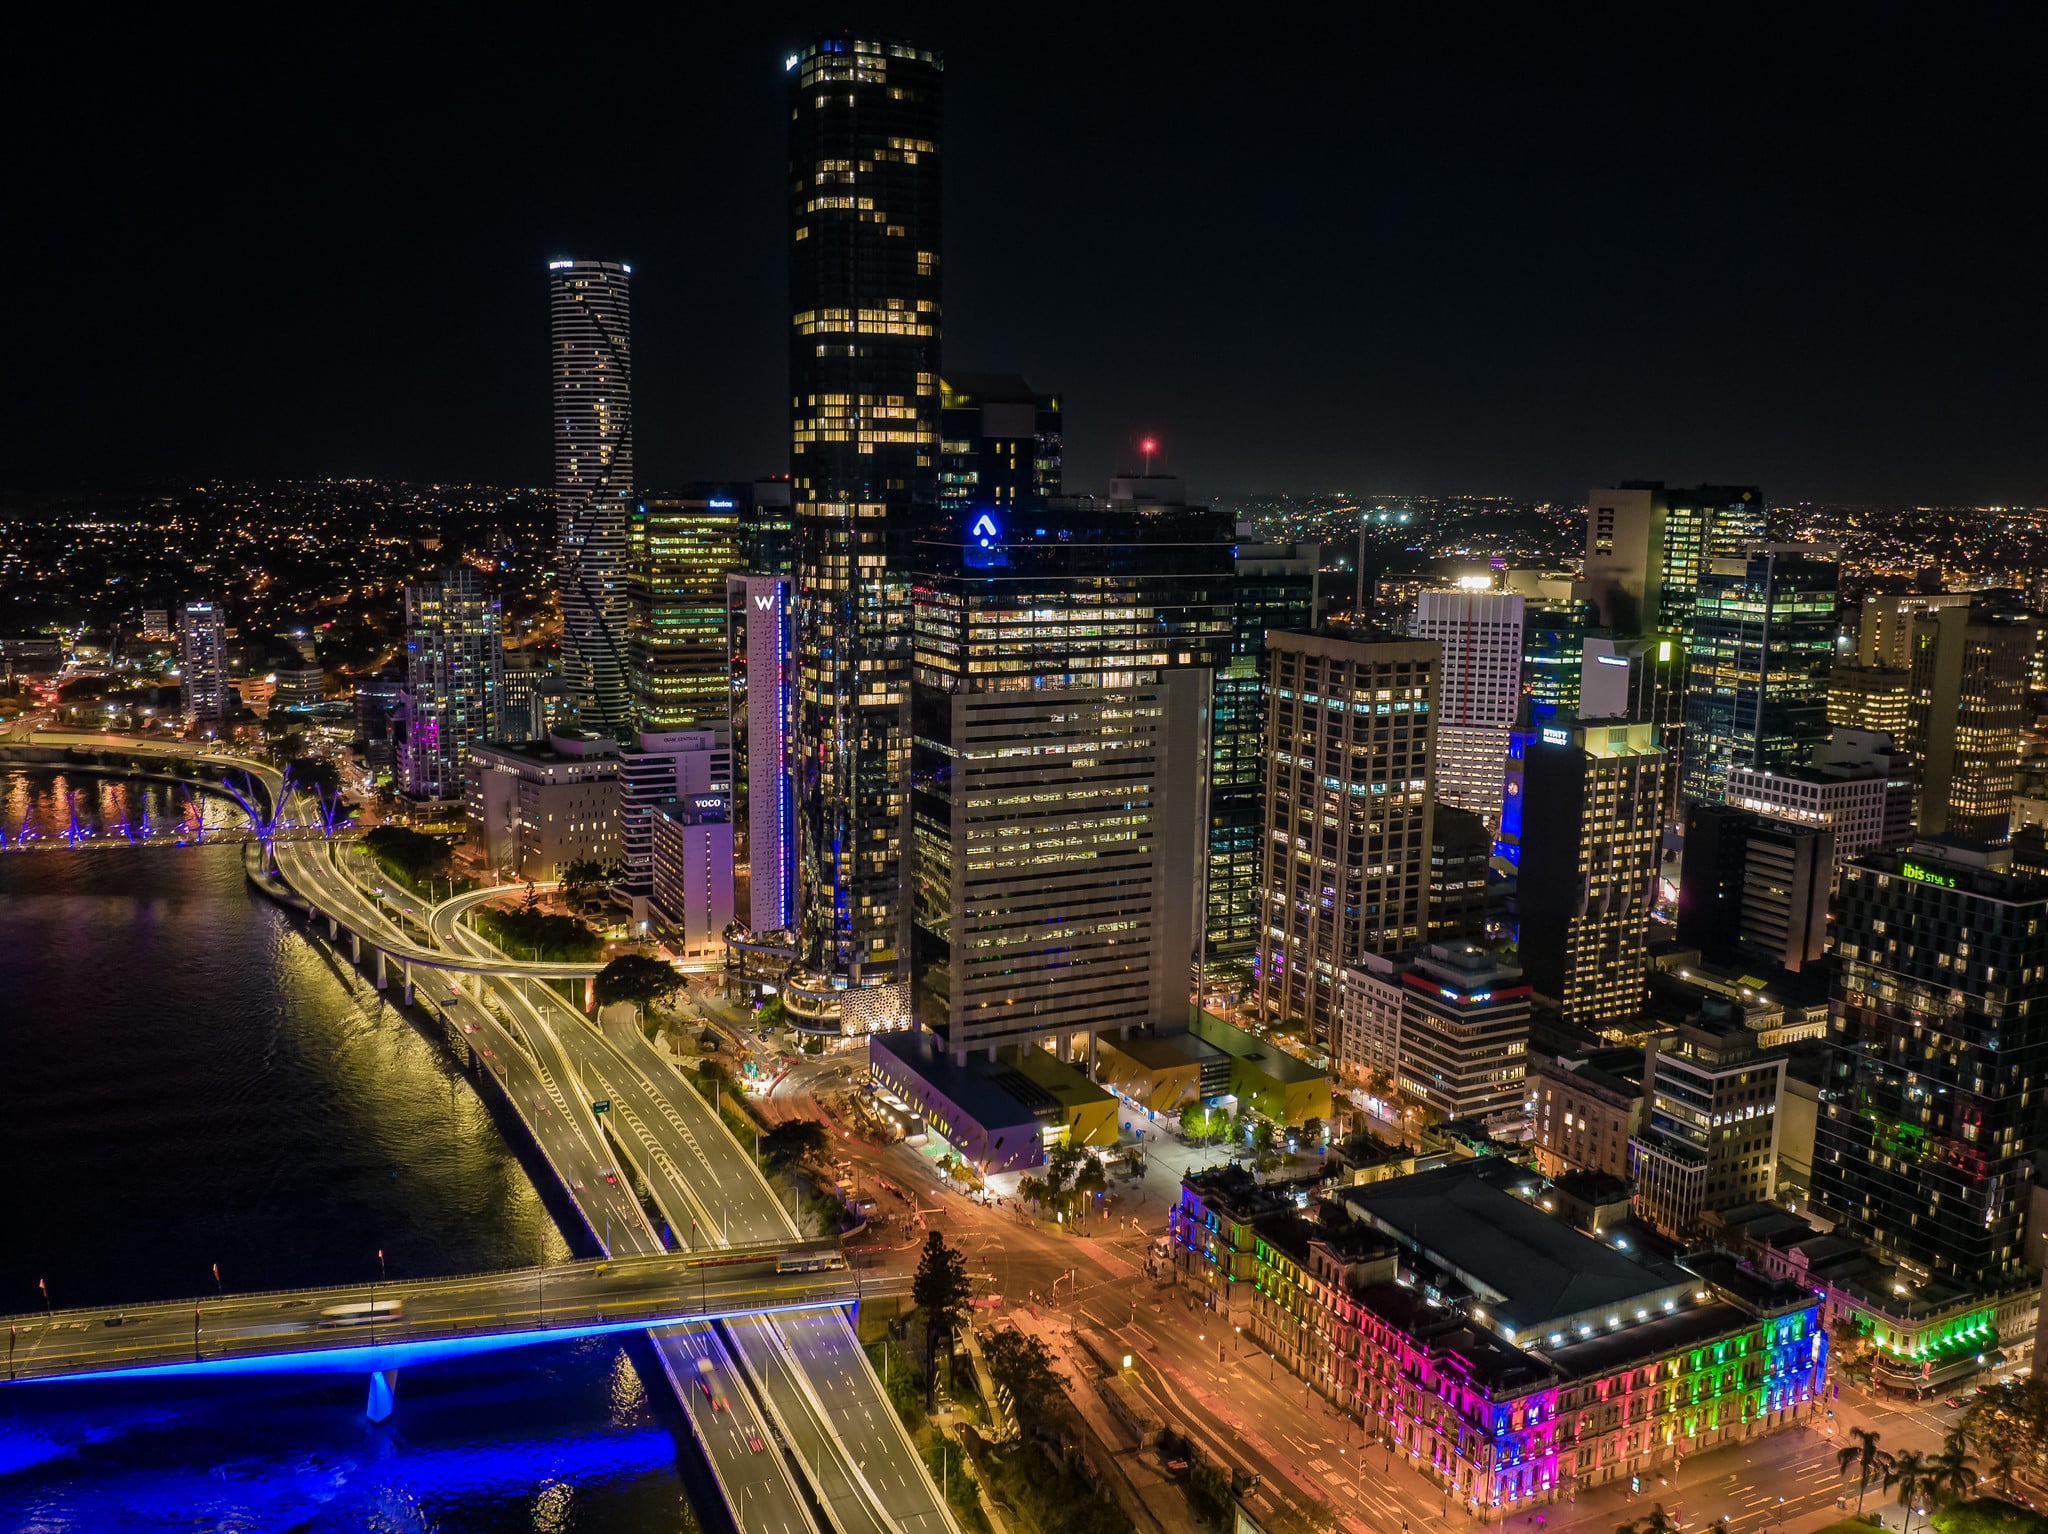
(1022, 1365)
(636, 978)
(793, 1140)
(413, 853)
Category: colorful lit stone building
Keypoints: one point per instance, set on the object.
(1503, 1354)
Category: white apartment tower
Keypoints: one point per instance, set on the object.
(202, 662)
(1479, 690)
(592, 367)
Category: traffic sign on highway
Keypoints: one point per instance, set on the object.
(602, 1105)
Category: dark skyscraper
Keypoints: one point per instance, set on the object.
(1001, 443)
(592, 372)
(1930, 1111)
(1763, 643)
(1275, 592)
(865, 326)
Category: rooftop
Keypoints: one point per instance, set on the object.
(1531, 1269)
(1239, 1045)
(986, 1094)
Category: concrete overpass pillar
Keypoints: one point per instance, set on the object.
(408, 982)
(382, 979)
(355, 946)
(333, 929)
(590, 993)
(383, 1395)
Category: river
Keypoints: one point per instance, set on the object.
(186, 1080)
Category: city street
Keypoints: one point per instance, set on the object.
(1245, 1412)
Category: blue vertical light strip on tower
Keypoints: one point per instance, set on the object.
(785, 810)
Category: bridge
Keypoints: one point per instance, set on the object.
(124, 756)
(792, 1375)
(377, 1328)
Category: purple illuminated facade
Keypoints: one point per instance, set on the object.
(759, 637)
(1634, 1363)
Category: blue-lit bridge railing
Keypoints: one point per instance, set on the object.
(375, 1328)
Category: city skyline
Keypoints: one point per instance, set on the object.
(1823, 295)
(1522, 996)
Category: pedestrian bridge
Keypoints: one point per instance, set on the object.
(375, 1328)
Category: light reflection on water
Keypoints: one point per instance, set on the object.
(185, 1079)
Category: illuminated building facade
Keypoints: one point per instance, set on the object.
(1590, 828)
(537, 806)
(1763, 643)
(1967, 717)
(1710, 1137)
(1755, 888)
(762, 670)
(1063, 665)
(691, 873)
(693, 766)
(203, 663)
(1350, 795)
(684, 545)
(1586, 1110)
(590, 308)
(1885, 622)
(865, 327)
(1873, 698)
(1001, 446)
(1511, 1358)
(1276, 590)
(454, 670)
(1930, 1111)
(1450, 1027)
(1553, 646)
(1856, 785)
(1647, 548)
(1479, 691)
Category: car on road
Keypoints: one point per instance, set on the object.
(754, 1441)
(1955, 1401)
(114, 1321)
(611, 1177)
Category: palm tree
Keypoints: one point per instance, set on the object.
(1656, 1521)
(1910, 1472)
(1866, 1456)
(1952, 1474)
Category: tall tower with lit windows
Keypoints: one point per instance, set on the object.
(865, 324)
(592, 379)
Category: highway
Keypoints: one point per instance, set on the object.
(757, 1483)
(814, 1379)
(568, 1299)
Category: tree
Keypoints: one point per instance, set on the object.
(1656, 1521)
(1022, 1365)
(583, 881)
(1867, 1458)
(531, 903)
(1909, 1472)
(636, 978)
(1311, 1130)
(941, 1291)
(1952, 1474)
(792, 1141)
(411, 853)
(772, 1013)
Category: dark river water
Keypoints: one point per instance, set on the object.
(186, 1080)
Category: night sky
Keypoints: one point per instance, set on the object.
(1471, 253)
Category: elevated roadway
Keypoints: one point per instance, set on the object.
(371, 1327)
(753, 1475)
